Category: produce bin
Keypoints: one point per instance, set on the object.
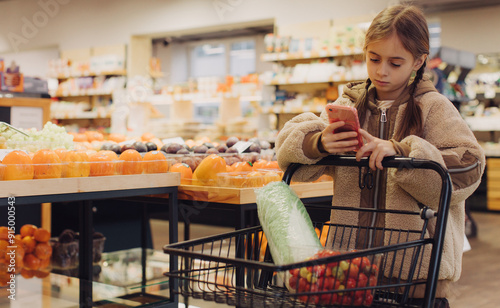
(236, 269)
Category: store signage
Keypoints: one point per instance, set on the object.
(241, 146)
(26, 117)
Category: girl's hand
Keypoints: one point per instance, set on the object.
(338, 143)
(379, 149)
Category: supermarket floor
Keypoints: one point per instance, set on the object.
(478, 287)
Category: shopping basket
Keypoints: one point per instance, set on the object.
(235, 268)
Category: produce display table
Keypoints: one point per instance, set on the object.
(84, 190)
(195, 201)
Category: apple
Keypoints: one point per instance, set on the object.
(342, 275)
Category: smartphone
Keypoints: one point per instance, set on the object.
(347, 114)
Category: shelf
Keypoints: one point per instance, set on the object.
(485, 124)
(247, 195)
(283, 56)
(338, 81)
(101, 184)
(91, 74)
(81, 93)
(287, 109)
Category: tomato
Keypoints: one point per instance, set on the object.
(293, 282)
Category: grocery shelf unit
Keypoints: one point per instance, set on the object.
(305, 85)
(84, 191)
(487, 195)
(92, 97)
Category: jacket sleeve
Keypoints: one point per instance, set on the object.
(448, 141)
(298, 137)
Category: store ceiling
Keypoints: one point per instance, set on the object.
(434, 6)
(214, 35)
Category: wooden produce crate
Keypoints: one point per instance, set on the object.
(247, 195)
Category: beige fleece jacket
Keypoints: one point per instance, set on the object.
(446, 139)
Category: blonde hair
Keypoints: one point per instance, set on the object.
(409, 24)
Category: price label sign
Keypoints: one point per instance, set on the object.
(26, 117)
(241, 146)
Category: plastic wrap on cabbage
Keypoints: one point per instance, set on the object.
(286, 224)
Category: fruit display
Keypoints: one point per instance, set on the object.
(62, 163)
(27, 253)
(66, 248)
(330, 281)
(51, 136)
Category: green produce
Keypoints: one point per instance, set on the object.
(286, 224)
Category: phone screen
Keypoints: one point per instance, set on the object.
(347, 114)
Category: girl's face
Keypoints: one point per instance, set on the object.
(390, 66)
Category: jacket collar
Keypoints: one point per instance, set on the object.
(354, 90)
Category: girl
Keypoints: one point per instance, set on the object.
(400, 113)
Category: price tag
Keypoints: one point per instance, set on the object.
(178, 140)
(26, 117)
(241, 146)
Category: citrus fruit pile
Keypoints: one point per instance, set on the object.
(49, 164)
(27, 253)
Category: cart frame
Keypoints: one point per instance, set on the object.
(247, 276)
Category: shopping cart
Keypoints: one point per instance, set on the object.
(235, 268)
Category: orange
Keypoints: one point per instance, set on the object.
(42, 235)
(242, 166)
(4, 233)
(60, 152)
(271, 176)
(46, 164)
(101, 165)
(207, 170)
(42, 274)
(117, 137)
(43, 251)
(94, 136)
(255, 179)
(27, 230)
(2, 171)
(18, 166)
(3, 248)
(110, 154)
(147, 137)
(155, 162)
(132, 162)
(27, 273)
(260, 164)
(273, 164)
(44, 263)
(75, 164)
(185, 171)
(31, 262)
(28, 243)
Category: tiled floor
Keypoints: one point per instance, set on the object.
(477, 288)
(479, 284)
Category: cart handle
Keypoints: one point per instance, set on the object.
(404, 163)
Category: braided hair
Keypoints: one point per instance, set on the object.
(409, 24)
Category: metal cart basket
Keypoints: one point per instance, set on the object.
(235, 268)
